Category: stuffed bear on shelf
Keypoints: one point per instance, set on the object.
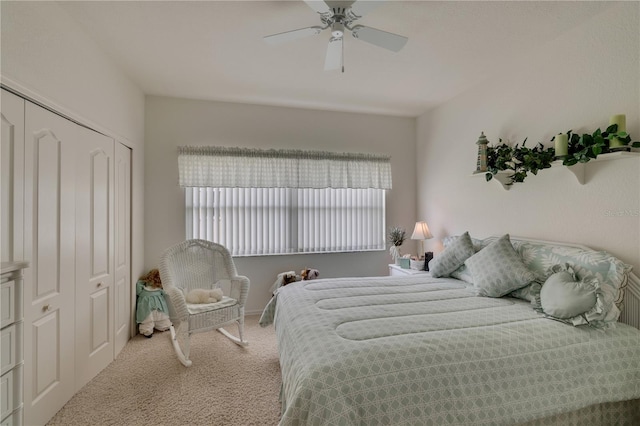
(151, 309)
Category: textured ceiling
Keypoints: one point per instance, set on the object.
(214, 49)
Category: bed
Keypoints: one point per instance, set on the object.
(420, 350)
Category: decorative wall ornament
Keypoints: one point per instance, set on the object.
(617, 144)
(561, 145)
(482, 143)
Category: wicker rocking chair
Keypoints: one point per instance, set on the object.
(202, 264)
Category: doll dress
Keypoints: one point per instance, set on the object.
(148, 301)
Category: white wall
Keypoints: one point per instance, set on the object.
(47, 57)
(576, 82)
(173, 122)
(45, 51)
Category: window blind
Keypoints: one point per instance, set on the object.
(262, 221)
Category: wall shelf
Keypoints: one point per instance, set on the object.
(578, 170)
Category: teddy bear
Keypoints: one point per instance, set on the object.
(309, 274)
(283, 279)
(201, 295)
(151, 308)
(289, 277)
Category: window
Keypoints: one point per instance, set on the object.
(260, 221)
(258, 202)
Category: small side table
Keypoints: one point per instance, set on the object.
(396, 270)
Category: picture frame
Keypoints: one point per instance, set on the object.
(427, 258)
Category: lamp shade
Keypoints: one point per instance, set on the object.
(421, 232)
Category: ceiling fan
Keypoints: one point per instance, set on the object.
(341, 15)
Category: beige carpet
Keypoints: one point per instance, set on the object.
(147, 385)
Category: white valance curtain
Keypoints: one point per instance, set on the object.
(224, 167)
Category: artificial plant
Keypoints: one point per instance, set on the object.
(396, 237)
(521, 160)
(585, 147)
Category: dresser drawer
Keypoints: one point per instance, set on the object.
(10, 391)
(9, 303)
(14, 419)
(10, 347)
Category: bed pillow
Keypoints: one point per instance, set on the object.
(477, 243)
(528, 292)
(575, 300)
(462, 273)
(452, 257)
(612, 273)
(498, 269)
(563, 296)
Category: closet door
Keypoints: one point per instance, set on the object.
(49, 245)
(11, 180)
(94, 254)
(123, 287)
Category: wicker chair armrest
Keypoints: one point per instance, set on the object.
(240, 288)
(178, 311)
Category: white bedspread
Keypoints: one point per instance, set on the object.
(417, 351)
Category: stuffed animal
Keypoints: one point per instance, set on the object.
(201, 295)
(152, 279)
(283, 279)
(289, 277)
(309, 274)
(151, 308)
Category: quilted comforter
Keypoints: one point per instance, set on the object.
(417, 351)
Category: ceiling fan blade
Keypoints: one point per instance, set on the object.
(359, 8)
(333, 61)
(379, 38)
(292, 35)
(320, 6)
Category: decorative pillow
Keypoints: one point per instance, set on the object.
(528, 292)
(564, 296)
(462, 273)
(567, 298)
(498, 269)
(611, 272)
(477, 243)
(452, 257)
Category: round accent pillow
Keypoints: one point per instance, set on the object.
(563, 296)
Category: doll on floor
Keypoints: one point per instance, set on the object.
(151, 309)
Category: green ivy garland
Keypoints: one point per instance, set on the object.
(521, 160)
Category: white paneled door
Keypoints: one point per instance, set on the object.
(49, 243)
(11, 180)
(123, 288)
(94, 254)
(66, 210)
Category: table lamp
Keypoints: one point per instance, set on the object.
(421, 233)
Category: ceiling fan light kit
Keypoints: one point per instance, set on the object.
(339, 18)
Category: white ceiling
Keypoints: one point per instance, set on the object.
(214, 50)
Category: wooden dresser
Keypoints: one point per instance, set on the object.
(11, 397)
